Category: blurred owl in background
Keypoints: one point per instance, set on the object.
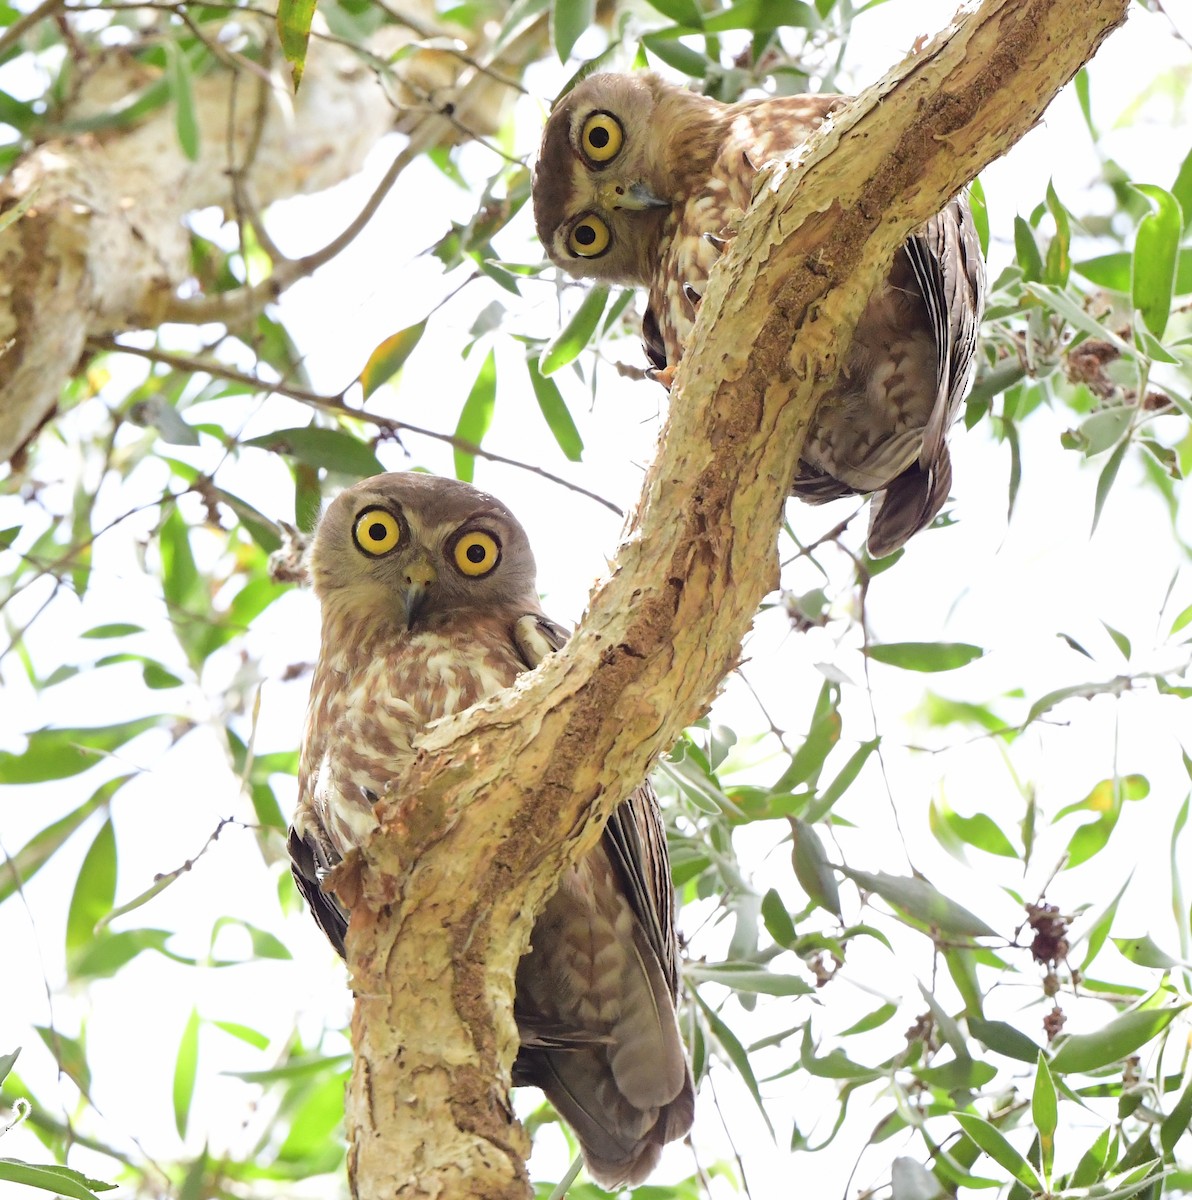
(428, 597)
(641, 182)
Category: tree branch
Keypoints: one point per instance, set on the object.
(507, 794)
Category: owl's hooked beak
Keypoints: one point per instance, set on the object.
(419, 577)
(637, 196)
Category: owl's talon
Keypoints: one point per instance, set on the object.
(663, 375)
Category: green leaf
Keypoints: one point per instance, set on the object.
(181, 87)
(70, 1054)
(736, 1054)
(94, 892)
(747, 978)
(294, 18)
(389, 357)
(1115, 1041)
(1177, 1122)
(576, 334)
(1156, 251)
(682, 12)
(1145, 953)
(873, 1020)
(1092, 1162)
(980, 830)
(807, 762)
(62, 1181)
(777, 919)
(476, 416)
(761, 16)
(682, 58)
(554, 409)
(994, 1143)
(1105, 481)
(111, 951)
(925, 656)
(1059, 259)
(569, 20)
(812, 868)
(317, 447)
(980, 210)
(33, 855)
(245, 1033)
(114, 630)
(848, 773)
(1003, 1038)
(185, 1070)
(61, 753)
(1181, 189)
(1030, 261)
(1045, 1112)
(917, 899)
(7, 1062)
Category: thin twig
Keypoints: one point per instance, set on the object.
(20, 26)
(336, 404)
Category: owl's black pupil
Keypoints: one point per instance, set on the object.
(598, 138)
(475, 553)
(585, 235)
(377, 531)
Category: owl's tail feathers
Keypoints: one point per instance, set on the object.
(908, 503)
(621, 1142)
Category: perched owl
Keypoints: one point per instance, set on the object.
(642, 182)
(429, 605)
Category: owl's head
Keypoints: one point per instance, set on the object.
(407, 546)
(604, 180)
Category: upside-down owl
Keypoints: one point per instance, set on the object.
(428, 606)
(642, 182)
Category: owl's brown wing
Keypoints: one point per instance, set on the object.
(945, 257)
(310, 860)
(634, 838)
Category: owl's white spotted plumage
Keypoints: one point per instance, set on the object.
(643, 183)
(429, 605)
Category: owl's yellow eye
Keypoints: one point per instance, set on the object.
(589, 237)
(376, 532)
(601, 137)
(477, 552)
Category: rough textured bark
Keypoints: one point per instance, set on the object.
(504, 795)
(103, 248)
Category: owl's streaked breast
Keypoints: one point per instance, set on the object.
(367, 708)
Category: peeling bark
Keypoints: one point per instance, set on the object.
(505, 795)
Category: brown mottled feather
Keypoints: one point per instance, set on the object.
(595, 998)
(882, 426)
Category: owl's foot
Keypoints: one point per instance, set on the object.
(663, 375)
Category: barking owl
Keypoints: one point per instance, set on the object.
(428, 606)
(640, 182)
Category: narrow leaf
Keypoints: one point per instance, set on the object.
(1156, 251)
(94, 892)
(185, 1070)
(476, 416)
(925, 656)
(62, 1181)
(389, 357)
(921, 902)
(1105, 480)
(994, 1143)
(1044, 1104)
(554, 409)
(294, 18)
(332, 449)
(569, 19)
(1121, 1037)
(576, 334)
(181, 86)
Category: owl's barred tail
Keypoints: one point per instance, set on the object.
(908, 504)
(621, 1143)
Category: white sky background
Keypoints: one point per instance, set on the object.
(1008, 588)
